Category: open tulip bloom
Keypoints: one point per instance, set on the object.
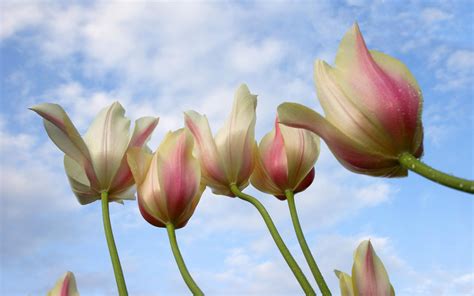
(169, 188)
(373, 110)
(96, 164)
(369, 277)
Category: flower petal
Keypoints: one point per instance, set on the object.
(139, 161)
(65, 286)
(368, 273)
(65, 135)
(79, 182)
(345, 283)
(274, 157)
(179, 172)
(235, 141)
(184, 218)
(143, 129)
(350, 153)
(151, 200)
(261, 180)
(211, 162)
(107, 140)
(302, 151)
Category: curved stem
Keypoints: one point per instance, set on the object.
(277, 238)
(121, 286)
(413, 164)
(180, 262)
(304, 245)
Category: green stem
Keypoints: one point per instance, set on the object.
(277, 238)
(304, 245)
(412, 163)
(180, 262)
(121, 286)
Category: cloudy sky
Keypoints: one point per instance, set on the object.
(161, 59)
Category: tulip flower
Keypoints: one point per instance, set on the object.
(229, 158)
(96, 164)
(65, 286)
(168, 181)
(169, 188)
(285, 160)
(373, 110)
(369, 277)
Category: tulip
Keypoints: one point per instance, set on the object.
(285, 160)
(373, 109)
(65, 286)
(169, 189)
(97, 163)
(168, 181)
(229, 158)
(369, 277)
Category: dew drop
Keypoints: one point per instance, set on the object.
(461, 185)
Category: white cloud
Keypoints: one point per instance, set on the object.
(431, 15)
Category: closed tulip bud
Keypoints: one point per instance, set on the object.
(229, 158)
(97, 162)
(373, 109)
(285, 160)
(65, 286)
(168, 181)
(369, 277)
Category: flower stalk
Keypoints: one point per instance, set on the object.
(413, 164)
(304, 245)
(302, 280)
(121, 286)
(180, 262)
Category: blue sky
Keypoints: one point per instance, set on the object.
(161, 59)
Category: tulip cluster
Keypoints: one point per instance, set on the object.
(372, 124)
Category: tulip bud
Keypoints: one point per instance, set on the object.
(369, 277)
(229, 158)
(285, 160)
(373, 109)
(65, 286)
(168, 181)
(97, 162)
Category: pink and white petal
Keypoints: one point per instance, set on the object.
(261, 180)
(211, 162)
(65, 286)
(345, 283)
(187, 214)
(274, 158)
(302, 151)
(107, 140)
(179, 172)
(126, 194)
(64, 134)
(79, 182)
(139, 161)
(148, 215)
(236, 139)
(350, 153)
(368, 273)
(142, 131)
(345, 112)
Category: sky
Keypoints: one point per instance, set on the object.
(163, 58)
